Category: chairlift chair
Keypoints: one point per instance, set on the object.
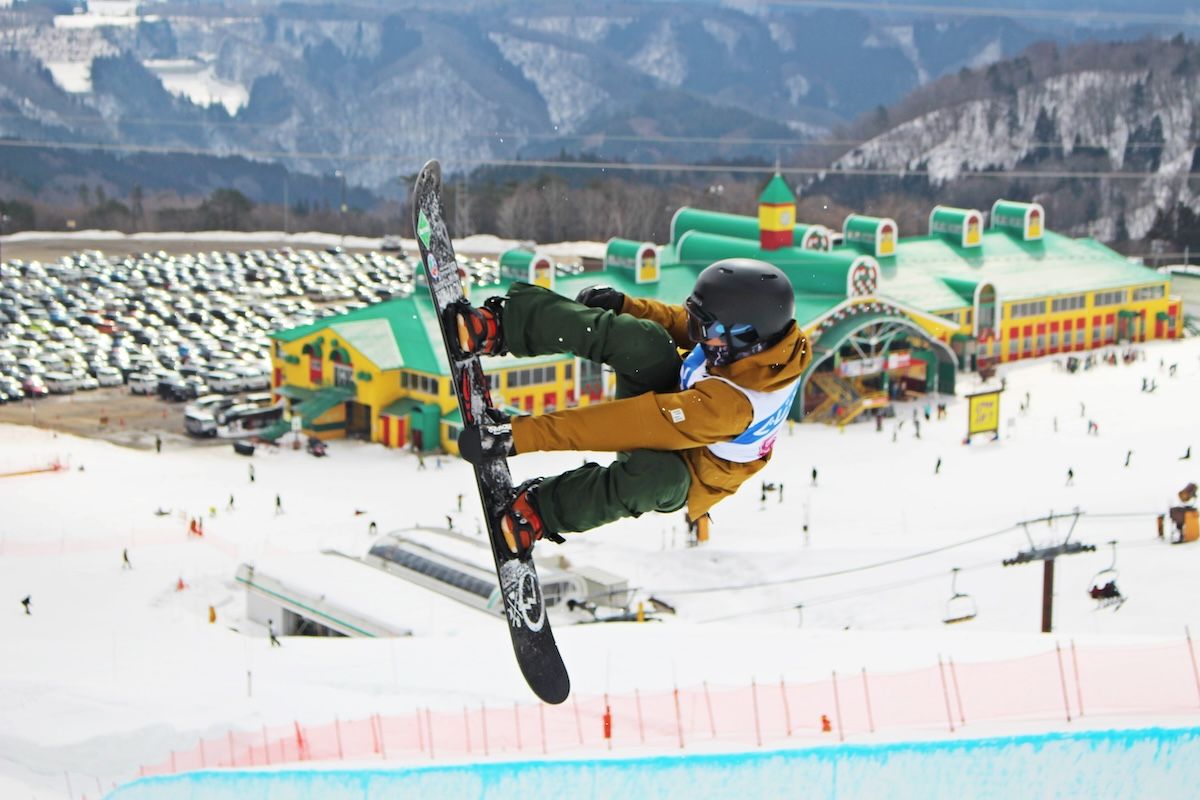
(1103, 588)
(961, 606)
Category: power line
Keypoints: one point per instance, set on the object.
(838, 572)
(594, 166)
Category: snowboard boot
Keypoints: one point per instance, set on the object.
(477, 331)
(521, 523)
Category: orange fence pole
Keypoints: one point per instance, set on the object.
(678, 718)
(712, 725)
(837, 709)
(787, 715)
(946, 693)
(382, 739)
(300, 741)
(1062, 676)
(578, 722)
(429, 728)
(962, 718)
(337, 732)
(467, 728)
(637, 699)
(1192, 653)
(867, 695)
(607, 722)
(483, 719)
(754, 700)
(1078, 683)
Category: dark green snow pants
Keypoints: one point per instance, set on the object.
(539, 322)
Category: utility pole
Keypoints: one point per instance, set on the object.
(1047, 555)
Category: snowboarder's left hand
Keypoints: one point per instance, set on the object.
(604, 297)
(492, 439)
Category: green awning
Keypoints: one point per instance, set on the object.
(1162, 316)
(960, 337)
(294, 392)
(453, 417)
(403, 407)
(322, 401)
(1126, 313)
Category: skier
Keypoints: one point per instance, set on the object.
(1186, 455)
(125, 564)
(688, 431)
(278, 504)
(271, 633)
(1070, 476)
(1128, 455)
(26, 602)
(938, 467)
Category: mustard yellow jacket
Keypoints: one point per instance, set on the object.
(713, 410)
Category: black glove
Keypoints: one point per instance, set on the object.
(604, 297)
(489, 440)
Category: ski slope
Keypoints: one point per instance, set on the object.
(114, 668)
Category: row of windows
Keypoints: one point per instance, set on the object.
(1031, 308)
(534, 376)
(1072, 303)
(1109, 298)
(420, 383)
(1149, 292)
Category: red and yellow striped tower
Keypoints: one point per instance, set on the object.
(776, 215)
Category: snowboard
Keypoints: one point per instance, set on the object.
(520, 590)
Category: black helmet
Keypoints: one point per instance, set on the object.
(746, 303)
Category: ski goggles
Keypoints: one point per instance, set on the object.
(702, 325)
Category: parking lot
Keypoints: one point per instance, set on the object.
(84, 333)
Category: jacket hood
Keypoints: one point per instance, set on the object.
(773, 368)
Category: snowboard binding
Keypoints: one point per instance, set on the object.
(476, 331)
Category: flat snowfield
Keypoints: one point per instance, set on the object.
(115, 667)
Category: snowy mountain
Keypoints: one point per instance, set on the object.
(374, 89)
(1130, 109)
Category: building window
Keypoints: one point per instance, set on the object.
(1053, 340)
(1012, 348)
(969, 314)
(1079, 336)
(950, 315)
(1031, 308)
(1108, 332)
(1071, 303)
(403, 380)
(1041, 341)
(568, 371)
(1109, 298)
(1149, 292)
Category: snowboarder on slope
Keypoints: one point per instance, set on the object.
(688, 430)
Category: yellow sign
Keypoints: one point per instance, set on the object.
(983, 413)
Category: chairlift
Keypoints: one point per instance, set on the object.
(1103, 588)
(961, 606)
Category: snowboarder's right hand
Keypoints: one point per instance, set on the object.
(604, 297)
(492, 439)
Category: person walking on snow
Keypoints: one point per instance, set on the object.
(271, 633)
(125, 559)
(1070, 476)
(688, 430)
(27, 602)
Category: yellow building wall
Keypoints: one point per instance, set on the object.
(1089, 310)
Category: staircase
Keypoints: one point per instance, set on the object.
(851, 397)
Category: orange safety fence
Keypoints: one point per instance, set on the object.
(1063, 684)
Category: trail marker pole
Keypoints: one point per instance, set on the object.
(867, 695)
(712, 725)
(1078, 683)
(754, 701)
(1062, 677)
(946, 693)
(962, 718)
(787, 716)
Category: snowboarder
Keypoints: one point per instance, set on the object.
(26, 602)
(1186, 455)
(688, 431)
(271, 633)
(125, 564)
(1070, 476)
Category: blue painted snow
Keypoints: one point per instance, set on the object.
(1145, 762)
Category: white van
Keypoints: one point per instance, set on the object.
(199, 423)
(252, 378)
(224, 382)
(143, 383)
(209, 404)
(61, 382)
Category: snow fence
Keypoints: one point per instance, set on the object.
(1151, 762)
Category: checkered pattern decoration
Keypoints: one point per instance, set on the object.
(864, 280)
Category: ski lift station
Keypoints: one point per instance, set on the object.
(411, 582)
(887, 316)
